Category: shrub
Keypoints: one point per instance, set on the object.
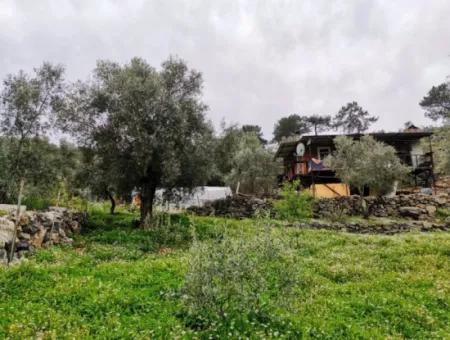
(293, 205)
(36, 203)
(230, 281)
(170, 230)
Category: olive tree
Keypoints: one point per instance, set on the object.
(253, 166)
(148, 126)
(366, 162)
(27, 109)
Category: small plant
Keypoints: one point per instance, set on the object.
(170, 230)
(230, 280)
(294, 205)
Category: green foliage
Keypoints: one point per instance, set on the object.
(352, 118)
(319, 123)
(253, 167)
(36, 203)
(349, 286)
(441, 149)
(228, 284)
(366, 162)
(293, 205)
(442, 213)
(48, 168)
(437, 103)
(255, 129)
(156, 135)
(290, 126)
(27, 106)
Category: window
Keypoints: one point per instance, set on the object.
(323, 151)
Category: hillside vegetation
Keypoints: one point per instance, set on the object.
(118, 281)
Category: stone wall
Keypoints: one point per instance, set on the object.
(388, 227)
(39, 229)
(236, 206)
(417, 206)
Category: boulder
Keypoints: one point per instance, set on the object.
(413, 212)
(6, 231)
(38, 237)
(431, 209)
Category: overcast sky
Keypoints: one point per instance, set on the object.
(261, 60)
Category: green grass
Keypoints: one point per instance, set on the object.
(117, 282)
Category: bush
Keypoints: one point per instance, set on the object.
(36, 203)
(294, 205)
(170, 230)
(230, 281)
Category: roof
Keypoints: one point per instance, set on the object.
(287, 148)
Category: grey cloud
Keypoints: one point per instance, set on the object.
(260, 59)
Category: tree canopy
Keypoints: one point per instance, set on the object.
(319, 123)
(146, 125)
(352, 118)
(290, 126)
(366, 162)
(27, 110)
(256, 129)
(253, 167)
(437, 102)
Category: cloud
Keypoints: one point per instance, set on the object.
(260, 60)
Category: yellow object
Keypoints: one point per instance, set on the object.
(329, 190)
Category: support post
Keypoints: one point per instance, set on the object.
(16, 223)
(432, 165)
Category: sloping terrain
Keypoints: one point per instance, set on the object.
(119, 282)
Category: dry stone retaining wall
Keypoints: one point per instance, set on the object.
(417, 206)
(39, 229)
(380, 227)
(236, 206)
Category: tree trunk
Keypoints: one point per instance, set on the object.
(113, 202)
(147, 196)
(363, 203)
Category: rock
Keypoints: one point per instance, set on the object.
(25, 236)
(22, 246)
(427, 225)
(431, 209)
(237, 206)
(38, 237)
(34, 230)
(413, 212)
(6, 230)
(441, 199)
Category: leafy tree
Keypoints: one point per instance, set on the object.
(225, 147)
(437, 102)
(253, 167)
(353, 118)
(319, 123)
(256, 129)
(290, 126)
(437, 107)
(27, 106)
(440, 141)
(366, 162)
(147, 125)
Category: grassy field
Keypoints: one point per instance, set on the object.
(119, 282)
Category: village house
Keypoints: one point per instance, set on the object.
(303, 160)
